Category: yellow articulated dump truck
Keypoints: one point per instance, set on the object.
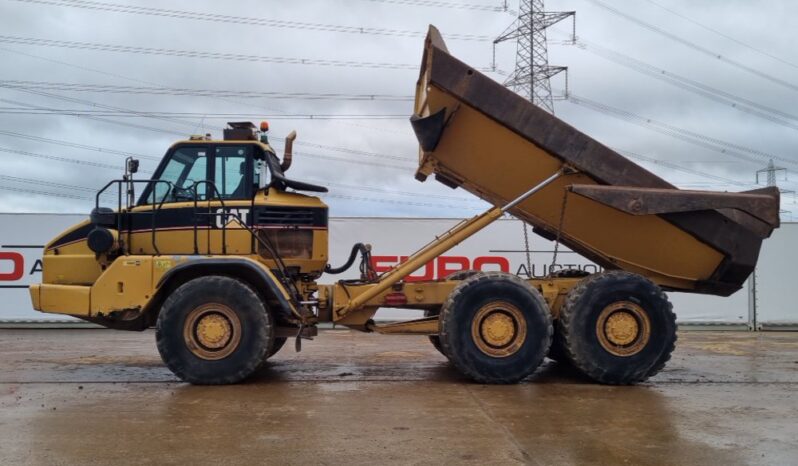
(222, 252)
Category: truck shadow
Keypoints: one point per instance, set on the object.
(438, 371)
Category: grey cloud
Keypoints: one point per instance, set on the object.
(590, 76)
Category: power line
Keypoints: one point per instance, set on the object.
(392, 201)
(325, 182)
(724, 35)
(85, 189)
(44, 193)
(38, 42)
(91, 192)
(673, 166)
(186, 123)
(90, 117)
(94, 104)
(447, 5)
(75, 145)
(62, 159)
(106, 107)
(160, 130)
(393, 192)
(32, 41)
(696, 47)
(736, 102)
(154, 114)
(717, 145)
(343, 149)
(160, 90)
(189, 124)
(355, 162)
(244, 20)
(47, 183)
(106, 150)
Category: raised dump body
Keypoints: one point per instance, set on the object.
(476, 134)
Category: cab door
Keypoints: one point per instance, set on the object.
(230, 199)
(210, 187)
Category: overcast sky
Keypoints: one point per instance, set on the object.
(742, 113)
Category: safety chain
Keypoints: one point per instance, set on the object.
(526, 249)
(559, 229)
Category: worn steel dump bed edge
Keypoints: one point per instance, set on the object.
(457, 109)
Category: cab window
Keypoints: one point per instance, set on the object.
(186, 166)
(234, 172)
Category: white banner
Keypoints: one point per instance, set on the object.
(775, 302)
(499, 247)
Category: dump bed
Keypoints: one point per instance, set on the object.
(476, 134)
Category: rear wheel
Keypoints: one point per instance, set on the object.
(618, 327)
(495, 328)
(557, 351)
(214, 330)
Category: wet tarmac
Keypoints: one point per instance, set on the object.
(103, 397)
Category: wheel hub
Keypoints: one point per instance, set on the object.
(212, 331)
(499, 329)
(623, 328)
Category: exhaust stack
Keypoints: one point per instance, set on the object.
(288, 153)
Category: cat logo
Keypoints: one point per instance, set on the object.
(231, 215)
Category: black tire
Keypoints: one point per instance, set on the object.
(460, 275)
(435, 339)
(597, 297)
(279, 342)
(569, 273)
(254, 333)
(508, 295)
(557, 350)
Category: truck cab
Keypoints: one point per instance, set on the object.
(205, 193)
(226, 201)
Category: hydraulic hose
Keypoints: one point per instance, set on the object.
(365, 263)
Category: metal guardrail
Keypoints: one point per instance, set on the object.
(118, 213)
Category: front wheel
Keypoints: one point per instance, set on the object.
(214, 330)
(495, 328)
(279, 342)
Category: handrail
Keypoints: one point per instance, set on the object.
(128, 206)
(215, 195)
(263, 241)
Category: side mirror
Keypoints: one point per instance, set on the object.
(132, 165)
(288, 153)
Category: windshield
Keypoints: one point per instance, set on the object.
(186, 166)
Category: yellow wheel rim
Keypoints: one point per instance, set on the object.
(212, 331)
(499, 329)
(623, 328)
